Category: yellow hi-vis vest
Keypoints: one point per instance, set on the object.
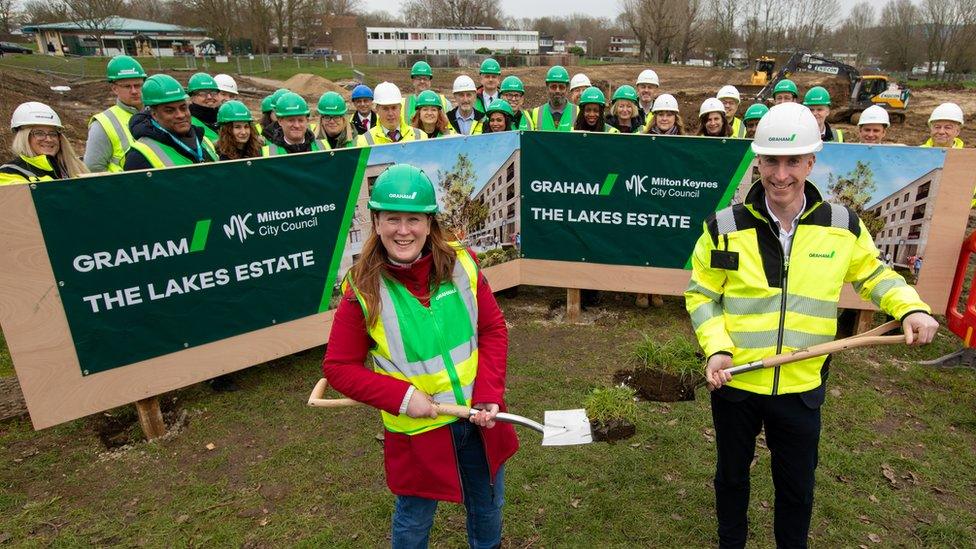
(115, 124)
(161, 155)
(738, 128)
(273, 149)
(377, 135)
(956, 143)
(748, 299)
(433, 348)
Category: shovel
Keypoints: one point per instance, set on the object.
(871, 337)
(560, 428)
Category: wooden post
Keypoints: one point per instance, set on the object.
(865, 319)
(151, 417)
(572, 305)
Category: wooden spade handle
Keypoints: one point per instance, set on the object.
(315, 399)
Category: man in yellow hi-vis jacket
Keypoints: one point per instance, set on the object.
(767, 276)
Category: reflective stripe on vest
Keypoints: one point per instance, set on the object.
(525, 121)
(738, 128)
(435, 348)
(544, 121)
(160, 155)
(29, 175)
(115, 124)
(275, 150)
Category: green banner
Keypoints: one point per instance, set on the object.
(155, 262)
(623, 199)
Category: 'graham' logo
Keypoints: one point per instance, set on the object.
(410, 196)
(823, 255)
(784, 139)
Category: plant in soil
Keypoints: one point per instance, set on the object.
(612, 412)
(666, 371)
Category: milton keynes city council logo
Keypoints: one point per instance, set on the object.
(238, 227)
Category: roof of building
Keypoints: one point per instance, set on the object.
(122, 24)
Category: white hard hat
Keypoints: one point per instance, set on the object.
(729, 92)
(226, 83)
(947, 111)
(386, 93)
(787, 129)
(579, 80)
(665, 102)
(33, 113)
(875, 114)
(647, 76)
(464, 83)
(711, 104)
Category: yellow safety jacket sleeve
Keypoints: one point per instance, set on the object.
(703, 300)
(879, 284)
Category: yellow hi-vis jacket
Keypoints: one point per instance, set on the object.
(748, 299)
(115, 124)
(377, 135)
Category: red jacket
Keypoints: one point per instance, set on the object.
(422, 465)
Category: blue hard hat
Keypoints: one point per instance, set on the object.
(362, 91)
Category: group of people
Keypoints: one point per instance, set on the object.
(156, 122)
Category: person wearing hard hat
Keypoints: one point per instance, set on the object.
(164, 135)
(872, 126)
(270, 126)
(464, 118)
(712, 120)
(766, 279)
(498, 118)
(945, 123)
(623, 110)
(226, 88)
(430, 116)
(513, 92)
(40, 149)
(730, 98)
(204, 102)
(491, 76)
(752, 117)
(421, 76)
(556, 114)
(292, 113)
(647, 86)
(666, 119)
(785, 91)
(591, 118)
(390, 127)
(237, 137)
(265, 115)
(817, 99)
(108, 131)
(411, 277)
(335, 131)
(364, 118)
(577, 84)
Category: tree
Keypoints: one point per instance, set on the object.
(854, 189)
(690, 16)
(42, 11)
(95, 15)
(576, 50)
(899, 34)
(940, 24)
(635, 16)
(7, 14)
(340, 7)
(460, 212)
(451, 13)
(858, 30)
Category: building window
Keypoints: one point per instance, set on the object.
(899, 232)
(923, 191)
(902, 216)
(906, 197)
(896, 201)
(510, 172)
(888, 206)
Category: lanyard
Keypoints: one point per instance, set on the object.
(197, 154)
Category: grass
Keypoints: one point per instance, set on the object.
(283, 474)
(677, 355)
(608, 403)
(923, 83)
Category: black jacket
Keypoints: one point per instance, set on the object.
(306, 146)
(360, 129)
(635, 125)
(207, 115)
(141, 126)
(452, 118)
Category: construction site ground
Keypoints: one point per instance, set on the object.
(690, 85)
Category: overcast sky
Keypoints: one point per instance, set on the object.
(539, 8)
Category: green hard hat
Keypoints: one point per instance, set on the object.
(592, 95)
(290, 104)
(557, 73)
(162, 88)
(817, 95)
(512, 84)
(500, 105)
(786, 85)
(403, 188)
(201, 81)
(429, 98)
(277, 93)
(332, 104)
(421, 68)
(625, 92)
(233, 111)
(755, 112)
(267, 103)
(490, 66)
(121, 67)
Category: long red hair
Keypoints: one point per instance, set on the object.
(372, 264)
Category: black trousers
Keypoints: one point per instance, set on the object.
(792, 424)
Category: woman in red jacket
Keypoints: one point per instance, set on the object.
(417, 307)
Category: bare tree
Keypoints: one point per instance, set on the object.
(940, 24)
(218, 17)
(690, 16)
(858, 30)
(809, 22)
(340, 7)
(451, 13)
(721, 33)
(899, 34)
(663, 27)
(962, 46)
(636, 17)
(42, 11)
(95, 16)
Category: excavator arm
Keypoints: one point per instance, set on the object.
(802, 61)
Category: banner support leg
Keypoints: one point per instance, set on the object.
(572, 305)
(151, 417)
(865, 321)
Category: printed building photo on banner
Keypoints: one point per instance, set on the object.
(892, 188)
(476, 180)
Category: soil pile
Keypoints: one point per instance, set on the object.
(657, 385)
(314, 86)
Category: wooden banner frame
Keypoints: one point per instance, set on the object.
(40, 344)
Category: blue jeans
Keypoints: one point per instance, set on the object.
(413, 516)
